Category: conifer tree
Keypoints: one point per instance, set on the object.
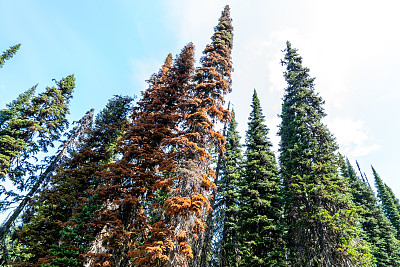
(261, 233)
(318, 213)
(227, 202)
(204, 108)
(147, 166)
(379, 233)
(166, 148)
(9, 53)
(28, 125)
(55, 212)
(387, 202)
(393, 196)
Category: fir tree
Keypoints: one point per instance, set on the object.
(227, 202)
(9, 53)
(212, 81)
(261, 233)
(318, 213)
(30, 124)
(148, 165)
(379, 233)
(393, 196)
(387, 202)
(57, 212)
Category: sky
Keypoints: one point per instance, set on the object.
(112, 47)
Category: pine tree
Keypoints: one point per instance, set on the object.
(379, 233)
(261, 233)
(9, 53)
(318, 213)
(387, 202)
(227, 200)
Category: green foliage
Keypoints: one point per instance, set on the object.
(320, 218)
(388, 202)
(76, 235)
(378, 231)
(223, 31)
(260, 212)
(9, 53)
(55, 227)
(28, 125)
(393, 196)
(227, 203)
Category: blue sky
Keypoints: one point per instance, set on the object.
(112, 47)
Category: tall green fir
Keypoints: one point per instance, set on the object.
(393, 196)
(378, 231)
(260, 212)
(28, 125)
(388, 202)
(227, 202)
(319, 216)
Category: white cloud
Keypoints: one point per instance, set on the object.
(352, 137)
(342, 43)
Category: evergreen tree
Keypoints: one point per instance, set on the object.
(393, 196)
(211, 82)
(379, 233)
(227, 202)
(132, 185)
(318, 213)
(57, 211)
(9, 53)
(27, 125)
(387, 202)
(260, 212)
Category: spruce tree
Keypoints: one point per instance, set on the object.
(319, 215)
(379, 233)
(260, 211)
(227, 202)
(387, 202)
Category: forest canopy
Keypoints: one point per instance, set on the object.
(165, 179)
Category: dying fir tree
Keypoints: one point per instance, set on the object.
(126, 231)
(387, 202)
(319, 215)
(260, 212)
(212, 81)
(378, 231)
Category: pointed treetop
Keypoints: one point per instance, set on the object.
(168, 60)
(256, 113)
(223, 31)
